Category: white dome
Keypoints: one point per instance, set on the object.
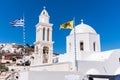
(83, 28)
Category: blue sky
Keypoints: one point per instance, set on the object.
(102, 15)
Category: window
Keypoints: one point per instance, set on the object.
(48, 34)
(45, 54)
(43, 33)
(44, 12)
(81, 46)
(94, 46)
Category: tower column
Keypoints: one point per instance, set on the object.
(41, 55)
(41, 32)
(38, 32)
(45, 34)
(50, 55)
(50, 35)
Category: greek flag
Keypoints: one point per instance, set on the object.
(17, 22)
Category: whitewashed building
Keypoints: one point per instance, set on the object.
(89, 59)
(83, 54)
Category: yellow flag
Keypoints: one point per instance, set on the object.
(67, 25)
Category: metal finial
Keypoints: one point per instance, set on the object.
(81, 21)
(44, 7)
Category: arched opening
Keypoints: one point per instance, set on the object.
(43, 12)
(43, 33)
(48, 34)
(81, 46)
(45, 54)
(94, 46)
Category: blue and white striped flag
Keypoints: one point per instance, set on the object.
(17, 22)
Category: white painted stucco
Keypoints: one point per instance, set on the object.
(90, 60)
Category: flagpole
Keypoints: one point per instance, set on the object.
(75, 54)
(24, 40)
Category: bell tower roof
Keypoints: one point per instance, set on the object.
(44, 16)
(44, 12)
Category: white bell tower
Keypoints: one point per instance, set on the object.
(44, 44)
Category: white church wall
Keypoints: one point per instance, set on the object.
(94, 38)
(66, 66)
(70, 44)
(83, 55)
(117, 71)
(88, 47)
(87, 39)
(86, 67)
(55, 75)
(79, 38)
(109, 65)
(65, 57)
(112, 63)
(70, 57)
(51, 75)
(82, 38)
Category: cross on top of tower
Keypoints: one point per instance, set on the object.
(44, 7)
(81, 21)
